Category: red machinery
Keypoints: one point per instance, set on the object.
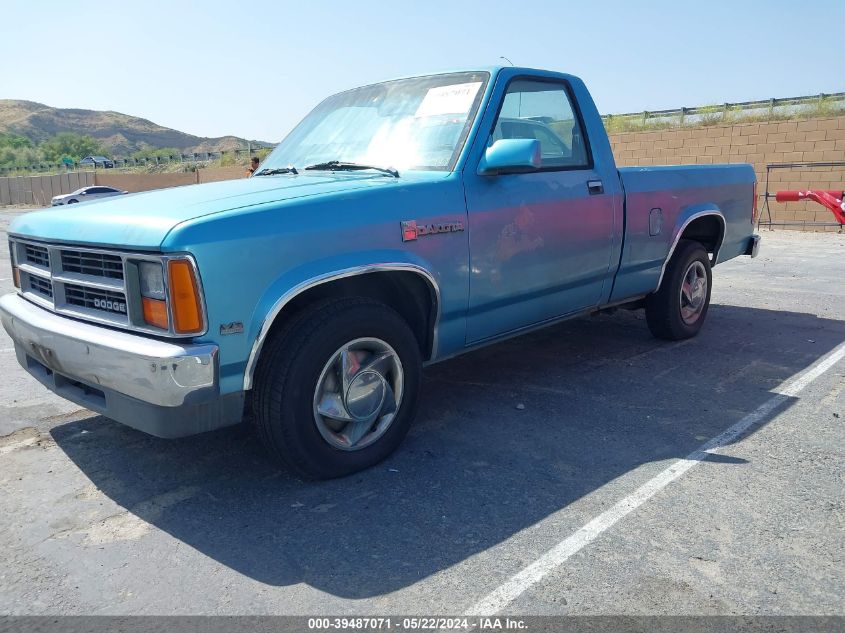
(833, 200)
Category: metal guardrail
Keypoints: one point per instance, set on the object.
(764, 106)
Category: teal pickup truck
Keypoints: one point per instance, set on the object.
(398, 224)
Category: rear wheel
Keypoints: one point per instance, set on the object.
(336, 389)
(679, 307)
(72, 201)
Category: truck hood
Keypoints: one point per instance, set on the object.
(143, 220)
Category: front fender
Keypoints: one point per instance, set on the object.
(302, 278)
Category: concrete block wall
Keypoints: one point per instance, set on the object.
(811, 140)
(38, 190)
(222, 173)
(145, 182)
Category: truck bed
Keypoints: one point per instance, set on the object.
(658, 203)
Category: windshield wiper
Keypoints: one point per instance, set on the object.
(342, 165)
(276, 170)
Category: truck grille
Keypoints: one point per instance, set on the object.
(95, 299)
(41, 286)
(37, 255)
(92, 263)
(80, 282)
(89, 284)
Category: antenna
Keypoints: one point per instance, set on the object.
(506, 59)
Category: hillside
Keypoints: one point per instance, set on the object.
(120, 134)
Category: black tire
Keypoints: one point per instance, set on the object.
(663, 309)
(288, 372)
(72, 201)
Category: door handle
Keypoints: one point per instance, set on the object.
(595, 187)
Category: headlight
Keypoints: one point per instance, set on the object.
(153, 298)
(178, 299)
(151, 276)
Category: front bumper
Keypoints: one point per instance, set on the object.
(164, 388)
(753, 247)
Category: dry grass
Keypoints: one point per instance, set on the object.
(720, 115)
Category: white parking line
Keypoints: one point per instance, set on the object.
(520, 582)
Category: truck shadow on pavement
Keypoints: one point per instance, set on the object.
(601, 398)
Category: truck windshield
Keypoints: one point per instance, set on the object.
(418, 123)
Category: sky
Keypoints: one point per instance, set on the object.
(255, 69)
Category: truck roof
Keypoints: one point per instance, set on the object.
(493, 70)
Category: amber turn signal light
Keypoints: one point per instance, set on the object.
(155, 312)
(185, 302)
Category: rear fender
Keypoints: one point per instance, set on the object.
(685, 218)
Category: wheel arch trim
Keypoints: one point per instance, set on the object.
(324, 278)
(692, 217)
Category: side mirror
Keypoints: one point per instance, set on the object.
(511, 154)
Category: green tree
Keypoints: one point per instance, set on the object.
(14, 141)
(8, 156)
(19, 157)
(75, 146)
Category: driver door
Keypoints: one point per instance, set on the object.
(540, 242)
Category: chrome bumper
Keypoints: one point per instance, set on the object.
(160, 373)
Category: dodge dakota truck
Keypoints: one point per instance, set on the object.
(399, 224)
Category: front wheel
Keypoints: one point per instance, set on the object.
(678, 309)
(336, 389)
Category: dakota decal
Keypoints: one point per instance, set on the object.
(411, 230)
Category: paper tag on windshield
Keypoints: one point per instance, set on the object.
(454, 99)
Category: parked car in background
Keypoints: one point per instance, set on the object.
(85, 194)
(97, 161)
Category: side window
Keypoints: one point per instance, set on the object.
(542, 110)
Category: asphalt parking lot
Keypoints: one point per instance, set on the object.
(101, 519)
